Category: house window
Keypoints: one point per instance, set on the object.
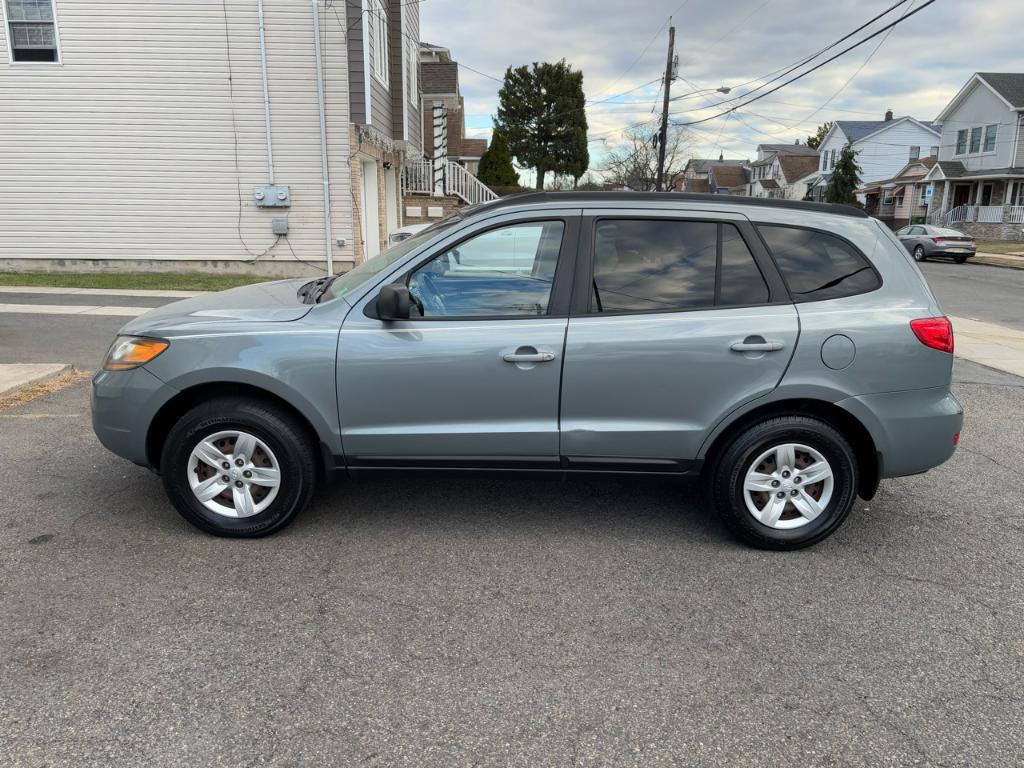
(378, 23)
(887, 198)
(975, 140)
(915, 153)
(824, 161)
(32, 30)
(933, 151)
(961, 142)
(990, 138)
(922, 198)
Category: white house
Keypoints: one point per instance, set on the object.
(978, 183)
(778, 167)
(883, 147)
(196, 136)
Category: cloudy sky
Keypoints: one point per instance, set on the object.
(621, 45)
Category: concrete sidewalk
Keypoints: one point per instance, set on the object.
(16, 376)
(100, 291)
(992, 345)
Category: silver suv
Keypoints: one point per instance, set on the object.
(790, 353)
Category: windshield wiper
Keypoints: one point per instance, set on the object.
(311, 292)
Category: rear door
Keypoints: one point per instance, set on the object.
(678, 318)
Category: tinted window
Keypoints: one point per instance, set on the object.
(501, 272)
(742, 282)
(817, 265)
(644, 266)
(651, 265)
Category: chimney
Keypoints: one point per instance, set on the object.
(796, 142)
(721, 157)
(888, 115)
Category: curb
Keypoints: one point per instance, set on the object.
(15, 377)
(997, 260)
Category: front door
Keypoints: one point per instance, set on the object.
(961, 195)
(473, 379)
(986, 194)
(685, 321)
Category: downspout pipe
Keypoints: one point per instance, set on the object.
(328, 241)
(266, 96)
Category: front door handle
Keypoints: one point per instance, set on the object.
(528, 357)
(756, 346)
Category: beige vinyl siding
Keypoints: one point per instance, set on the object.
(128, 149)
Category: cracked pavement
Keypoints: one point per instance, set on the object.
(443, 621)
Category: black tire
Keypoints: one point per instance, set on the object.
(729, 470)
(919, 254)
(290, 442)
(961, 259)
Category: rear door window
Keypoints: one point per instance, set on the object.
(652, 265)
(818, 266)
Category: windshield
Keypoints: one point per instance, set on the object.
(348, 282)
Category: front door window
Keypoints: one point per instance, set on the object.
(504, 272)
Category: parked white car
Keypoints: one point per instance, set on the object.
(405, 232)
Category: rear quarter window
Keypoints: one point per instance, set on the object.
(818, 266)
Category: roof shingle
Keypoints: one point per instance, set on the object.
(1009, 85)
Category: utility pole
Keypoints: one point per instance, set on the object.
(663, 136)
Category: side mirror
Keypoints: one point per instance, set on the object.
(394, 302)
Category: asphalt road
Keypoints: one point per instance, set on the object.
(426, 621)
(422, 621)
(978, 291)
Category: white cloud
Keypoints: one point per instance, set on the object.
(917, 70)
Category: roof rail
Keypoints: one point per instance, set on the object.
(595, 197)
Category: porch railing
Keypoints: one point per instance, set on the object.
(985, 214)
(418, 178)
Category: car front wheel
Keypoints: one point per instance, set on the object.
(919, 254)
(785, 483)
(238, 468)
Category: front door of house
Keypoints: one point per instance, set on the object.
(961, 195)
(986, 194)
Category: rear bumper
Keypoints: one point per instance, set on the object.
(913, 430)
(123, 406)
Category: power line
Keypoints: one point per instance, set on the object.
(812, 69)
(788, 68)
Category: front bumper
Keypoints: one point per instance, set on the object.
(912, 430)
(123, 406)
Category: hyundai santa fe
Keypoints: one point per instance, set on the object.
(788, 353)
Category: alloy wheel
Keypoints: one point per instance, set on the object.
(788, 486)
(234, 474)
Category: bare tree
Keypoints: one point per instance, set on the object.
(633, 163)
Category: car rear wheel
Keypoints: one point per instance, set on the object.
(961, 259)
(919, 254)
(785, 483)
(239, 468)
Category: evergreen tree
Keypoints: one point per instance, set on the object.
(496, 164)
(845, 179)
(541, 112)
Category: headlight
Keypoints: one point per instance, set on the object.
(129, 352)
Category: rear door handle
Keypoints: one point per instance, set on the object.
(756, 346)
(528, 357)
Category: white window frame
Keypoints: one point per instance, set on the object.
(4, 13)
(915, 153)
(378, 27)
(983, 128)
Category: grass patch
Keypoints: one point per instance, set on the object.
(999, 246)
(155, 281)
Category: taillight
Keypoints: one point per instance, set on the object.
(937, 240)
(934, 332)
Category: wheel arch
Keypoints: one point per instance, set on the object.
(189, 397)
(864, 447)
